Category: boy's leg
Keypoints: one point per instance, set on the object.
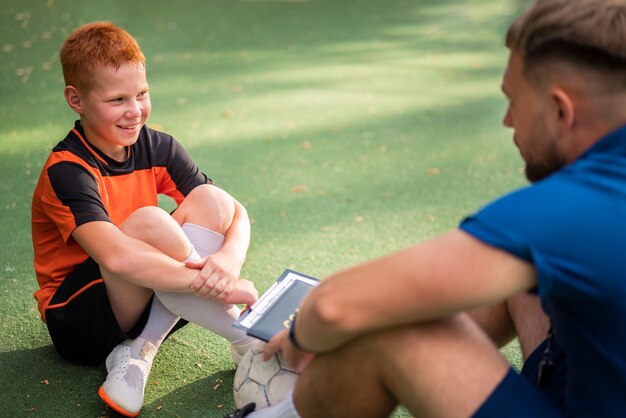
(210, 314)
(129, 364)
(206, 217)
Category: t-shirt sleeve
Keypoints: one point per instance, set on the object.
(501, 225)
(183, 173)
(71, 197)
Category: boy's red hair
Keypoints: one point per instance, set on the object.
(97, 44)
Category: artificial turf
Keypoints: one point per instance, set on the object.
(347, 129)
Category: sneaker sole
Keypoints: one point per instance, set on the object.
(103, 395)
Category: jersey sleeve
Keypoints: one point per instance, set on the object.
(71, 197)
(183, 174)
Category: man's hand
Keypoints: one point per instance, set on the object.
(295, 359)
(218, 275)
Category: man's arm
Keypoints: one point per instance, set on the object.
(449, 274)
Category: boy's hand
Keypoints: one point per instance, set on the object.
(244, 293)
(217, 276)
(297, 360)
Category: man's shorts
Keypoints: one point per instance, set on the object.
(80, 319)
(519, 396)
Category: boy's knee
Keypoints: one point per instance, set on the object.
(207, 206)
(146, 219)
(148, 216)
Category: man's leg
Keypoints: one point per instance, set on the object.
(443, 368)
(439, 369)
(520, 316)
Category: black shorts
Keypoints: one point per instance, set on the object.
(519, 395)
(80, 319)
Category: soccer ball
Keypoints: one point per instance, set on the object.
(263, 382)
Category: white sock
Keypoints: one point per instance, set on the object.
(210, 314)
(160, 322)
(283, 409)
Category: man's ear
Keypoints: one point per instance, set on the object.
(566, 111)
(73, 98)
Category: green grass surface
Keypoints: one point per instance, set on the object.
(348, 129)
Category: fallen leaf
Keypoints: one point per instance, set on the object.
(432, 171)
(45, 382)
(300, 188)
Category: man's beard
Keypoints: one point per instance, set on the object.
(550, 162)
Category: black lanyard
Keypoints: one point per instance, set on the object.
(546, 365)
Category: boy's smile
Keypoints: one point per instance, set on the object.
(115, 108)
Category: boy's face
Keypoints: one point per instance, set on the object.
(115, 108)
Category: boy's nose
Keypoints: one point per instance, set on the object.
(134, 111)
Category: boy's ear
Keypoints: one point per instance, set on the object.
(73, 98)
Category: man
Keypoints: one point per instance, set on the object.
(394, 330)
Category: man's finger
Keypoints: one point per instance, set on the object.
(273, 346)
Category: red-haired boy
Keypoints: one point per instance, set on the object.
(115, 271)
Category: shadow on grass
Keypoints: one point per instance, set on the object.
(207, 397)
(37, 382)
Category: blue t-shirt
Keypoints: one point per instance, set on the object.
(572, 227)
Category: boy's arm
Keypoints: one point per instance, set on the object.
(131, 259)
(439, 278)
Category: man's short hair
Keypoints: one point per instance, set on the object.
(94, 45)
(589, 34)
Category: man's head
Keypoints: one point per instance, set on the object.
(96, 45)
(566, 79)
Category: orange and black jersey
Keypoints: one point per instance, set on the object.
(80, 184)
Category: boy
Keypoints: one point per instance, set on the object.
(116, 272)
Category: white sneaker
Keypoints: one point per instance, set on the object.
(238, 350)
(123, 389)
